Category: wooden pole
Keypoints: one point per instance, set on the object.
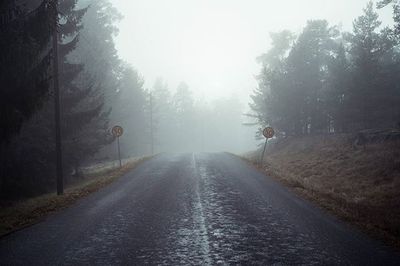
(57, 109)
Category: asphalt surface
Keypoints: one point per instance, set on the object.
(192, 209)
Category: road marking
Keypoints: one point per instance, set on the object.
(199, 216)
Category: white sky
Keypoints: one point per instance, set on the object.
(212, 44)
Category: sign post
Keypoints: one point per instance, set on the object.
(117, 131)
(268, 133)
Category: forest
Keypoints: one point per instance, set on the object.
(97, 91)
(323, 80)
(318, 81)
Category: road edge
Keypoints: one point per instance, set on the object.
(329, 206)
(31, 211)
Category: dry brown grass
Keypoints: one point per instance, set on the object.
(361, 186)
(27, 212)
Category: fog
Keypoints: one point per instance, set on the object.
(186, 76)
(197, 127)
(212, 46)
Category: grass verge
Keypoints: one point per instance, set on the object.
(360, 186)
(27, 212)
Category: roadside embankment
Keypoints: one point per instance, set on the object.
(22, 213)
(359, 183)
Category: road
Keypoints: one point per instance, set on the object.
(192, 209)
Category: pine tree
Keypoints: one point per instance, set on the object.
(25, 78)
(163, 115)
(396, 13)
(24, 64)
(368, 48)
(269, 101)
(78, 104)
(84, 115)
(129, 112)
(105, 72)
(185, 126)
(307, 70)
(292, 85)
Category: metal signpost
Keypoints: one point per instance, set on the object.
(117, 131)
(268, 133)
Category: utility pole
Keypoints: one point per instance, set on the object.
(57, 111)
(151, 124)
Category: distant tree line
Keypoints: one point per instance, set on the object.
(328, 81)
(182, 124)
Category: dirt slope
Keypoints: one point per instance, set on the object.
(360, 184)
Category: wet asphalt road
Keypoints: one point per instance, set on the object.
(192, 209)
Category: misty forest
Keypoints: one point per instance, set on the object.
(97, 88)
(329, 92)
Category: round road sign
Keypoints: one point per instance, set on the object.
(268, 132)
(117, 131)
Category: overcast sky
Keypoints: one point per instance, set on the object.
(212, 44)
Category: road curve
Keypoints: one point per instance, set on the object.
(192, 209)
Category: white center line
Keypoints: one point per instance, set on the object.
(200, 218)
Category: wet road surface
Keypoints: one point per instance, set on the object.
(192, 209)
